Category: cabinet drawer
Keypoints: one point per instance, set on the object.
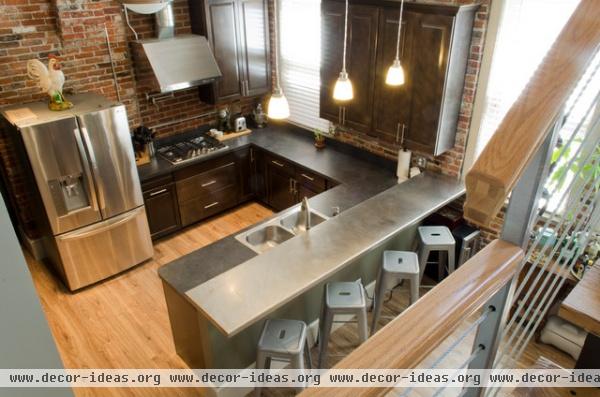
(208, 204)
(160, 181)
(162, 210)
(279, 164)
(207, 182)
(306, 177)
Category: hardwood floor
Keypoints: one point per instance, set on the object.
(123, 322)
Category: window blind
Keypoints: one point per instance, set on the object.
(299, 60)
(527, 30)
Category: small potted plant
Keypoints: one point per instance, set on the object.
(319, 139)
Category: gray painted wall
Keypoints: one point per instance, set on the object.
(25, 338)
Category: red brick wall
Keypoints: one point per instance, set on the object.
(74, 30)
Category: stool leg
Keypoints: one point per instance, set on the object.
(423, 256)
(261, 363)
(451, 260)
(378, 300)
(442, 263)
(324, 330)
(362, 323)
(297, 362)
(307, 352)
(414, 288)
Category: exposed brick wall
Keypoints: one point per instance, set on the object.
(74, 30)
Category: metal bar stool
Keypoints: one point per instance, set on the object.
(436, 238)
(341, 298)
(397, 265)
(282, 340)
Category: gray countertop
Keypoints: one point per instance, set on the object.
(234, 287)
(360, 175)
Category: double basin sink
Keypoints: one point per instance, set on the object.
(270, 234)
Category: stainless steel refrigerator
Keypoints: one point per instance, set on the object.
(83, 164)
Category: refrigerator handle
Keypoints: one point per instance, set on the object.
(86, 170)
(94, 163)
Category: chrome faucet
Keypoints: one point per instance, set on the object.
(304, 216)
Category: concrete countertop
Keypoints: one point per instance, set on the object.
(250, 291)
(360, 175)
(234, 287)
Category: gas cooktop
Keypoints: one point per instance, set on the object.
(190, 149)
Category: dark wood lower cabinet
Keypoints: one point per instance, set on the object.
(280, 187)
(204, 189)
(162, 208)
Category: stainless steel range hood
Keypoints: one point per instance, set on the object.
(169, 63)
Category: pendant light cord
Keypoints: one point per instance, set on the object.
(276, 42)
(345, 38)
(399, 29)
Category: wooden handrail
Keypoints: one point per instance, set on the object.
(410, 337)
(527, 123)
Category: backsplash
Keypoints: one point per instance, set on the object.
(74, 30)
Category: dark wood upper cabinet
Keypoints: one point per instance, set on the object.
(238, 33)
(363, 22)
(428, 77)
(360, 62)
(392, 105)
(434, 48)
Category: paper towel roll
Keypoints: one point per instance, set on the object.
(403, 165)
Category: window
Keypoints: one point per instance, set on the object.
(300, 57)
(527, 30)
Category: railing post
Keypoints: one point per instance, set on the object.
(518, 222)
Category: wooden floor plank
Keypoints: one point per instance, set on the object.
(123, 322)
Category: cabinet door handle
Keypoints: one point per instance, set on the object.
(208, 183)
(158, 192)
(277, 163)
(295, 186)
(211, 205)
(291, 186)
(251, 155)
(308, 177)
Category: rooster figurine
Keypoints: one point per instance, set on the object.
(51, 80)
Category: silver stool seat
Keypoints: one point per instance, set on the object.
(341, 298)
(436, 238)
(397, 265)
(282, 340)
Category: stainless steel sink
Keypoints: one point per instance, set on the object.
(265, 238)
(292, 223)
(277, 230)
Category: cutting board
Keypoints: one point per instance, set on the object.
(232, 135)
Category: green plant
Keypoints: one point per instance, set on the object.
(319, 134)
(590, 167)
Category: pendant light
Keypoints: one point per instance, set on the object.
(278, 107)
(342, 91)
(395, 74)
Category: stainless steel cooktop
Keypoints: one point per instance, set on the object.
(190, 149)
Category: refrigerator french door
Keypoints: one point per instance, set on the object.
(84, 167)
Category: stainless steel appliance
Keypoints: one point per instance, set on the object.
(240, 124)
(83, 163)
(191, 149)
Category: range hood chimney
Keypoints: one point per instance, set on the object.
(170, 63)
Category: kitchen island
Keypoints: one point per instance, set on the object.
(219, 295)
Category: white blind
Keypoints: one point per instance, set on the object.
(300, 57)
(527, 30)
